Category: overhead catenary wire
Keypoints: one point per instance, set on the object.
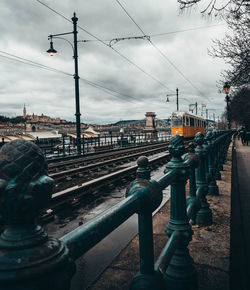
(106, 44)
(159, 50)
(185, 30)
(154, 35)
(26, 61)
(36, 64)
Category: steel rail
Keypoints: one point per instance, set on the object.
(78, 191)
(90, 154)
(69, 172)
(74, 161)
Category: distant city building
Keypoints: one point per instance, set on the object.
(32, 120)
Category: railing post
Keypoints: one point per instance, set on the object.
(63, 141)
(29, 259)
(180, 274)
(220, 153)
(83, 145)
(147, 278)
(193, 163)
(99, 142)
(204, 215)
(212, 186)
(216, 156)
(206, 161)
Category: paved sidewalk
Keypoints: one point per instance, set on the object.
(210, 247)
(240, 218)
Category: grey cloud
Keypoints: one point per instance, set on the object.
(53, 94)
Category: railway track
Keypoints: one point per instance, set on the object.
(72, 195)
(56, 165)
(101, 167)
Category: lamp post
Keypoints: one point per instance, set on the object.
(192, 106)
(52, 51)
(177, 98)
(226, 89)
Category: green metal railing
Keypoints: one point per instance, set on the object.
(29, 259)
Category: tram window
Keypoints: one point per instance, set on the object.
(176, 121)
(191, 122)
(187, 121)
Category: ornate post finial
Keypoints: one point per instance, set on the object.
(143, 170)
(176, 146)
(25, 248)
(199, 139)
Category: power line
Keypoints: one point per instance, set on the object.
(41, 66)
(152, 35)
(27, 61)
(110, 91)
(37, 66)
(45, 5)
(184, 30)
(162, 54)
(104, 43)
(123, 8)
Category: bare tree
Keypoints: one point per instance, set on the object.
(234, 47)
(211, 6)
(240, 107)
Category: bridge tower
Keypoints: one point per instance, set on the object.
(150, 128)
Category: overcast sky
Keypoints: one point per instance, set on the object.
(24, 29)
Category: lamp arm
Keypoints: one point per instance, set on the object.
(65, 40)
(59, 34)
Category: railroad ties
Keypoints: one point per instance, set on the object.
(90, 175)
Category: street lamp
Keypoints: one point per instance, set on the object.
(226, 89)
(52, 52)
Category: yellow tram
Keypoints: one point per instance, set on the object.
(186, 124)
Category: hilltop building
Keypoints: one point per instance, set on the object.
(33, 121)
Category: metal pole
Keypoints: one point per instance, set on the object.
(228, 113)
(196, 108)
(76, 77)
(177, 99)
(206, 117)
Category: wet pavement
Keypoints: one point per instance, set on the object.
(94, 262)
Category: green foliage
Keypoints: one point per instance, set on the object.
(240, 107)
